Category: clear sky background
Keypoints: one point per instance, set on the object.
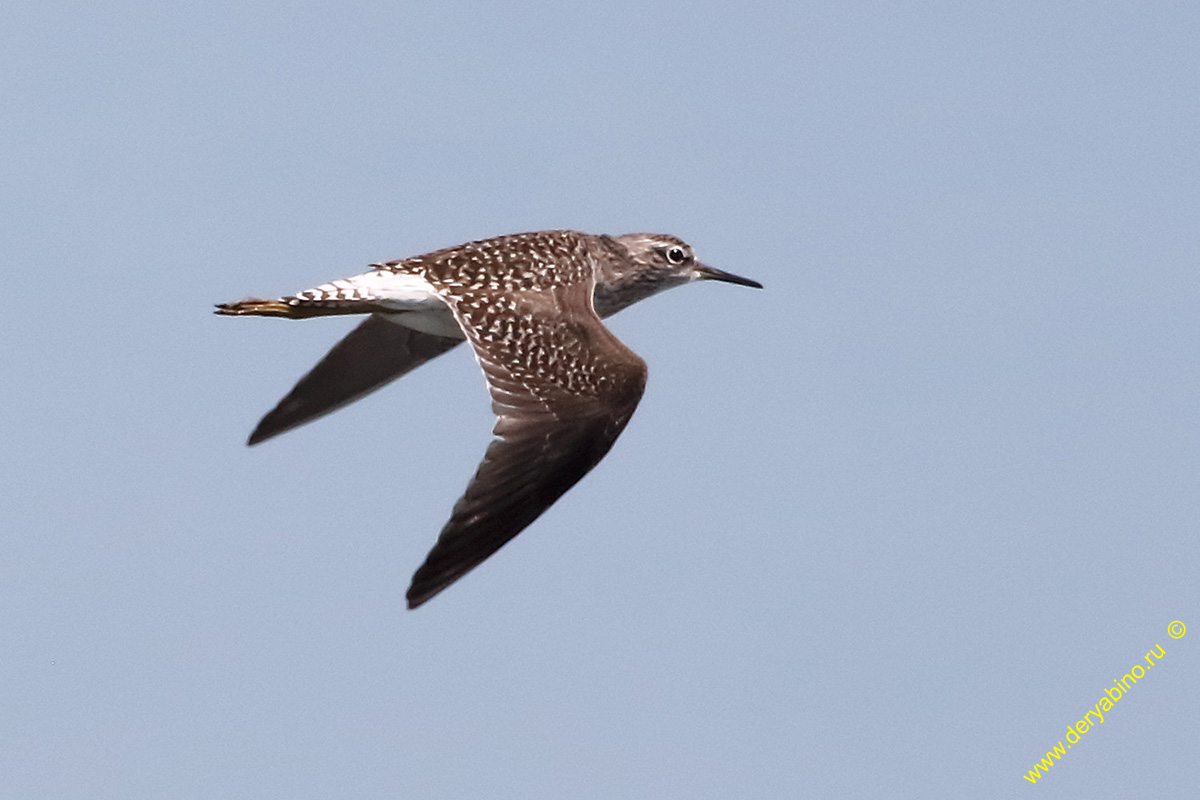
(884, 529)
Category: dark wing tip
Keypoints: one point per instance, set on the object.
(259, 436)
(523, 473)
(278, 420)
(450, 559)
(417, 599)
(439, 572)
(285, 416)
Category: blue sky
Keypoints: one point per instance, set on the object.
(886, 528)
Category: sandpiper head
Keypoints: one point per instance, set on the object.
(655, 261)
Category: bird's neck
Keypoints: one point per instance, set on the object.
(619, 282)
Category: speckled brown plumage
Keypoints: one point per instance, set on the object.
(530, 305)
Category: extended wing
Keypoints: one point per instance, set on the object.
(563, 388)
(373, 354)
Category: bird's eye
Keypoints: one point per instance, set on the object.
(676, 255)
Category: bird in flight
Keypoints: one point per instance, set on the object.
(530, 304)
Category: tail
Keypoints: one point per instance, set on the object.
(261, 308)
(295, 307)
